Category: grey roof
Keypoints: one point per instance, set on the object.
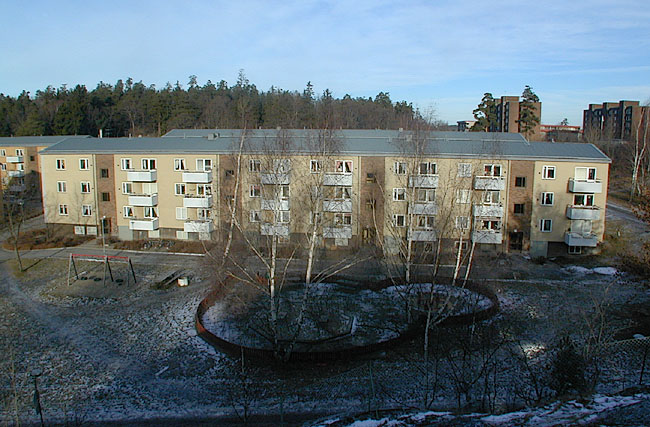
(36, 141)
(353, 142)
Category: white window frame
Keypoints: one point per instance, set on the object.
(342, 193)
(344, 166)
(315, 166)
(400, 168)
(542, 225)
(255, 191)
(86, 210)
(3, 152)
(589, 170)
(148, 164)
(204, 213)
(343, 219)
(284, 192)
(431, 168)
(180, 189)
(84, 164)
(587, 200)
(491, 197)
(85, 187)
(549, 172)
(255, 165)
(399, 194)
(60, 164)
(462, 222)
(399, 220)
(181, 213)
(425, 222)
(315, 217)
(126, 164)
(127, 187)
(128, 212)
(282, 217)
(20, 152)
(205, 165)
(63, 209)
(255, 216)
(464, 170)
(428, 193)
(179, 164)
(463, 196)
(204, 189)
(490, 169)
(547, 198)
(150, 212)
(61, 187)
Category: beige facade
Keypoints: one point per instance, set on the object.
(345, 199)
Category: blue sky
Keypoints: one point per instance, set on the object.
(440, 55)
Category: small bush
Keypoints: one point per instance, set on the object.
(568, 369)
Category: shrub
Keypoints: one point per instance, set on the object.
(568, 368)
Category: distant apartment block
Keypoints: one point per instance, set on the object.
(613, 120)
(465, 125)
(508, 109)
(368, 187)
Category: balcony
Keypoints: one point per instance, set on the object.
(15, 174)
(423, 235)
(142, 176)
(583, 212)
(338, 179)
(423, 209)
(579, 239)
(198, 226)
(197, 177)
(143, 199)
(268, 229)
(488, 210)
(15, 159)
(276, 178)
(489, 183)
(423, 181)
(585, 186)
(17, 188)
(341, 232)
(144, 224)
(337, 205)
(197, 201)
(493, 237)
(272, 205)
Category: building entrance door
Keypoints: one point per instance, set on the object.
(516, 241)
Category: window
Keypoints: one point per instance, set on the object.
(106, 197)
(60, 164)
(492, 170)
(254, 165)
(520, 181)
(179, 189)
(428, 168)
(425, 222)
(20, 167)
(370, 178)
(315, 218)
(399, 220)
(86, 210)
(204, 164)
(342, 193)
(464, 170)
(400, 168)
(255, 216)
(61, 187)
(179, 165)
(370, 204)
(545, 225)
(343, 219)
(583, 199)
(575, 250)
(150, 212)
(3, 152)
(463, 196)
(204, 189)
(85, 186)
(519, 208)
(125, 164)
(63, 210)
(3, 166)
(427, 195)
(204, 213)
(343, 166)
(462, 222)
(548, 172)
(20, 152)
(127, 211)
(83, 164)
(585, 174)
(490, 225)
(491, 197)
(181, 213)
(255, 190)
(148, 164)
(31, 158)
(229, 173)
(282, 217)
(284, 192)
(399, 194)
(547, 199)
(104, 173)
(127, 188)
(315, 166)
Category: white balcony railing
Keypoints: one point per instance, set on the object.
(487, 236)
(488, 210)
(17, 188)
(143, 199)
(268, 229)
(423, 181)
(142, 176)
(276, 178)
(337, 205)
(198, 226)
(337, 232)
(272, 205)
(339, 179)
(423, 235)
(423, 209)
(197, 177)
(144, 224)
(197, 201)
(489, 183)
(15, 174)
(585, 186)
(15, 159)
(581, 239)
(583, 212)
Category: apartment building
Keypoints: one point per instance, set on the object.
(508, 109)
(613, 120)
(347, 188)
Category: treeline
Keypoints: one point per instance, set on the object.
(133, 108)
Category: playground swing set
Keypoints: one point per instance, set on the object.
(105, 259)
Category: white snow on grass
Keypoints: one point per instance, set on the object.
(579, 270)
(606, 271)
